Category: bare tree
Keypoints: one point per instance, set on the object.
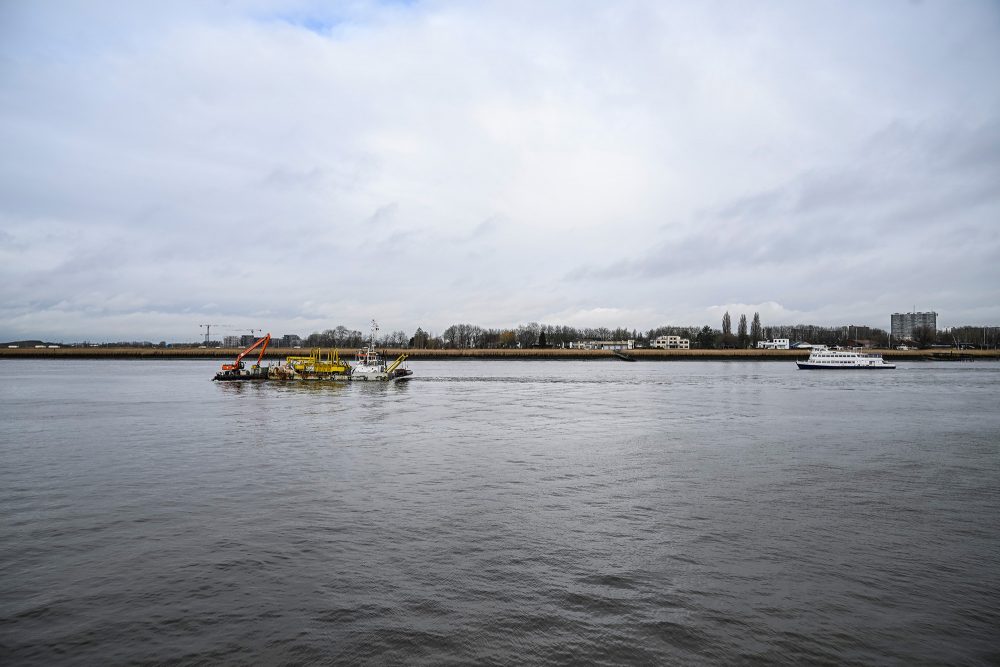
(925, 336)
(527, 334)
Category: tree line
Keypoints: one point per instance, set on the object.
(470, 336)
(341, 336)
(748, 334)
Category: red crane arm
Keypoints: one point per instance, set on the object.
(263, 349)
(239, 359)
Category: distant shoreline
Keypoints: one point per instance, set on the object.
(492, 354)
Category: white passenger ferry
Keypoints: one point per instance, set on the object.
(824, 359)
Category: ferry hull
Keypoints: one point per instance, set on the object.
(806, 366)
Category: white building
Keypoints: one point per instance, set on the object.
(776, 344)
(672, 343)
(230, 341)
(604, 344)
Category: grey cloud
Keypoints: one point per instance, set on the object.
(284, 177)
(950, 174)
(486, 228)
(260, 156)
(383, 216)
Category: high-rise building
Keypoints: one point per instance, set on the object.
(904, 324)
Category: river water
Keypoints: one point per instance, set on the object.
(523, 512)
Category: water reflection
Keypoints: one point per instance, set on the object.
(310, 387)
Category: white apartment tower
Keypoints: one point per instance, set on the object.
(904, 324)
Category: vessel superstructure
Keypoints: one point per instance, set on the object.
(827, 359)
(372, 366)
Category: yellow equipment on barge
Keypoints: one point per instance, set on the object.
(318, 365)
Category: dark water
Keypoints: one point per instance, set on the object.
(501, 513)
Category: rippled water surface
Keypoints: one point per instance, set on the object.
(500, 512)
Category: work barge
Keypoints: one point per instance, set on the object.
(370, 365)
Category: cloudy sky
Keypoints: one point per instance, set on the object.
(293, 166)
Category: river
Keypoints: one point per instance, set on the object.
(523, 512)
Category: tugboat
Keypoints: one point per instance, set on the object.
(237, 372)
(371, 365)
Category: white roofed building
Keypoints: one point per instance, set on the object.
(671, 343)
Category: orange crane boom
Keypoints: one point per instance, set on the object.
(239, 359)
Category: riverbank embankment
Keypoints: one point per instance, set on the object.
(499, 354)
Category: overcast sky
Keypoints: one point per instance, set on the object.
(293, 166)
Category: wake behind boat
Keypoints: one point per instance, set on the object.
(826, 359)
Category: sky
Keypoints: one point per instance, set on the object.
(295, 166)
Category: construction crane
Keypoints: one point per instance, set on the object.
(208, 330)
(238, 364)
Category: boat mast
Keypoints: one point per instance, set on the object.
(370, 356)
